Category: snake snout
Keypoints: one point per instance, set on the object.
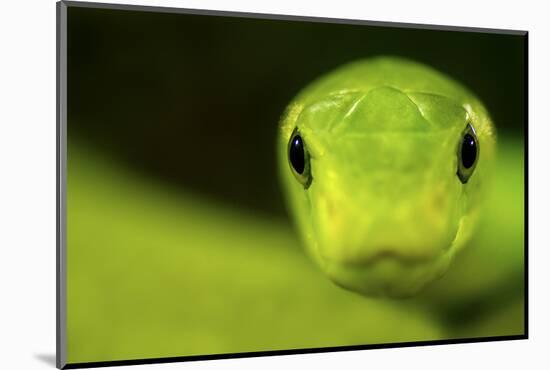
(360, 233)
(396, 261)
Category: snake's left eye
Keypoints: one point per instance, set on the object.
(298, 158)
(468, 152)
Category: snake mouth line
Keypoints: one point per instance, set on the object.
(388, 274)
(383, 255)
(389, 254)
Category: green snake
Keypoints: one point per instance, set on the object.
(385, 164)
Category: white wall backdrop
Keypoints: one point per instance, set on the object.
(27, 181)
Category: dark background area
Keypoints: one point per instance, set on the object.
(194, 100)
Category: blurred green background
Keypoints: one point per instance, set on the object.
(178, 241)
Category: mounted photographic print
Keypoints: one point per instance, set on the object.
(235, 184)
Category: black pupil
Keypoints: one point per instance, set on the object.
(296, 154)
(469, 151)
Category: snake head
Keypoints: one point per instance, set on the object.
(384, 179)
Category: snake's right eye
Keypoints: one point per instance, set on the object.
(298, 158)
(468, 153)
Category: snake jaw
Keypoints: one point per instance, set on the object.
(388, 276)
